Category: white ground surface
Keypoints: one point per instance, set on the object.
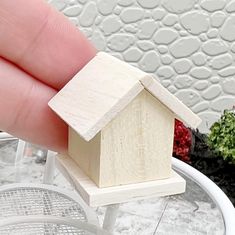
(191, 213)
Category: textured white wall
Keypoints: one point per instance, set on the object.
(189, 45)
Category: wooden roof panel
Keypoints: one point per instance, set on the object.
(181, 111)
(103, 88)
(96, 94)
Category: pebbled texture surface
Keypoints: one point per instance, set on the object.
(189, 45)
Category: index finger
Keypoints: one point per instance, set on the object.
(42, 41)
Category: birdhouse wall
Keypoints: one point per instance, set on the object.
(86, 154)
(137, 145)
(134, 147)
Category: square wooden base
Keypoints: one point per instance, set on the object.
(95, 196)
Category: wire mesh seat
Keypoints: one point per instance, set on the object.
(41, 228)
(35, 209)
(47, 225)
(36, 201)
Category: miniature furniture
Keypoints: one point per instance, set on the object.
(37, 209)
(43, 209)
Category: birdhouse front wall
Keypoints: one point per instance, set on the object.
(134, 147)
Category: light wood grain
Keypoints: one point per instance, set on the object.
(86, 154)
(102, 89)
(136, 146)
(181, 111)
(97, 94)
(121, 122)
(95, 196)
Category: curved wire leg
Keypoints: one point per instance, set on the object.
(14, 220)
(49, 170)
(18, 159)
(110, 217)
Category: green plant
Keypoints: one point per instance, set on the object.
(221, 138)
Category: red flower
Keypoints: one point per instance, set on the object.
(182, 141)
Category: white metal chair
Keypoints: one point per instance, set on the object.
(44, 209)
(35, 209)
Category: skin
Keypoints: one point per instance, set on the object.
(40, 51)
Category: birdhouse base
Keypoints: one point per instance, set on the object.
(95, 196)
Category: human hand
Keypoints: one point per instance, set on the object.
(40, 51)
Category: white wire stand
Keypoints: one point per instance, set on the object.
(18, 159)
(215, 193)
(113, 196)
(49, 171)
(205, 183)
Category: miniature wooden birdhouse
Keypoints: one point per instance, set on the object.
(121, 122)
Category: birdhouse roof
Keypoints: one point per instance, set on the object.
(103, 88)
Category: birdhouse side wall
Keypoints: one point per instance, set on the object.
(86, 154)
(137, 145)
